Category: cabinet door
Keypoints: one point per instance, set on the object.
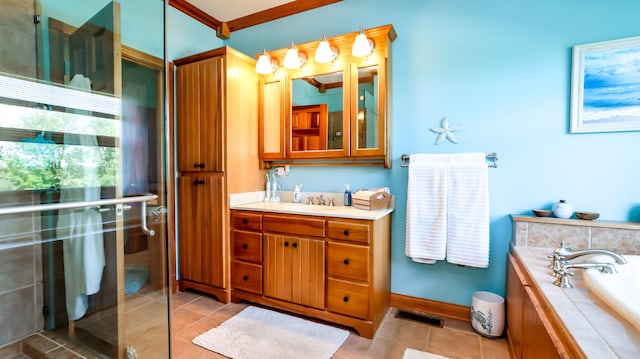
(514, 306)
(536, 342)
(308, 272)
(201, 237)
(271, 112)
(188, 123)
(277, 266)
(294, 269)
(200, 118)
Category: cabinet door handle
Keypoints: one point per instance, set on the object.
(346, 261)
(345, 232)
(295, 245)
(286, 244)
(245, 277)
(345, 298)
(201, 165)
(200, 181)
(245, 246)
(195, 165)
(195, 182)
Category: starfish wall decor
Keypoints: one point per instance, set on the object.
(445, 131)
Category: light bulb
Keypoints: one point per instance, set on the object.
(265, 65)
(292, 58)
(324, 52)
(362, 46)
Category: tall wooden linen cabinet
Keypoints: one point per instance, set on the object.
(217, 152)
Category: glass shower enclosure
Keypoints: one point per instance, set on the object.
(83, 179)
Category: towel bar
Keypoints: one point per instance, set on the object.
(492, 157)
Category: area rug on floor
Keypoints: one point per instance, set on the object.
(257, 333)
(416, 354)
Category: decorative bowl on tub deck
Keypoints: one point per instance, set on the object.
(588, 215)
(541, 212)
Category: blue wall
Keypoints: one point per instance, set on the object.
(501, 69)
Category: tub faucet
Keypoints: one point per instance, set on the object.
(564, 253)
(563, 273)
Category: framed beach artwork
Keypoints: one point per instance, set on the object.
(605, 86)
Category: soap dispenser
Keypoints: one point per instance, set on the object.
(297, 196)
(347, 195)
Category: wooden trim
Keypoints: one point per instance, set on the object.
(433, 307)
(142, 58)
(288, 9)
(171, 185)
(195, 13)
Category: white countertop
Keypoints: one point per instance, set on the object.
(598, 330)
(312, 210)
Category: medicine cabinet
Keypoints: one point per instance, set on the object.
(334, 113)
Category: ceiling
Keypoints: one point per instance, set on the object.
(228, 16)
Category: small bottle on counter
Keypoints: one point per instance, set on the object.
(347, 196)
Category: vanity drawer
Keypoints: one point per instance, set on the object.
(246, 221)
(246, 276)
(247, 246)
(348, 298)
(349, 231)
(348, 261)
(294, 225)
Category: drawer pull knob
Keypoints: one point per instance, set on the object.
(245, 246)
(286, 244)
(245, 221)
(295, 245)
(345, 232)
(245, 277)
(345, 299)
(346, 262)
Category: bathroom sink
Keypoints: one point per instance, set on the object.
(620, 291)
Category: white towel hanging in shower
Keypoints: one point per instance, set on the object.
(81, 229)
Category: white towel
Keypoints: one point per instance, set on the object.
(426, 229)
(81, 229)
(448, 209)
(468, 210)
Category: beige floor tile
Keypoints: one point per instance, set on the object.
(494, 348)
(203, 305)
(182, 318)
(181, 298)
(453, 343)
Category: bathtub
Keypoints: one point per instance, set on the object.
(619, 291)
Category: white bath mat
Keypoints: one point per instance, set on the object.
(257, 333)
(416, 354)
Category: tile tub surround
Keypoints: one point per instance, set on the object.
(598, 330)
(544, 232)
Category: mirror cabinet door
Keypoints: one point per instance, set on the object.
(318, 119)
(368, 137)
(271, 118)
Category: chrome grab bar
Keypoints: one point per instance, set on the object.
(81, 204)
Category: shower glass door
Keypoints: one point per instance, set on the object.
(83, 173)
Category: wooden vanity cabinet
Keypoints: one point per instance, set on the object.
(333, 269)
(217, 151)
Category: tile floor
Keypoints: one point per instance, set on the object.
(194, 314)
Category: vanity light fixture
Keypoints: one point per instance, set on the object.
(362, 46)
(294, 59)
(325, 53)
(265, 64)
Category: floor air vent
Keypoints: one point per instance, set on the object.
(420, 317)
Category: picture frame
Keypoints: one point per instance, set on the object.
(605, 86)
